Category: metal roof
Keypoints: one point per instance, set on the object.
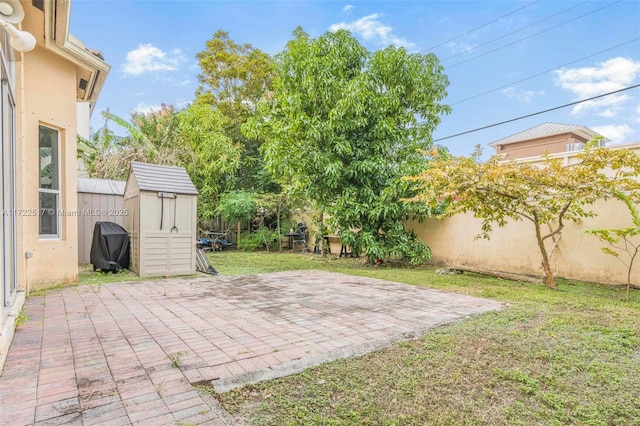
(101, 186)
(544, 130)
(153, 177)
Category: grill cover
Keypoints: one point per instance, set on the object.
(110, 247)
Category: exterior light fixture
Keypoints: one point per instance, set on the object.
(11, 12)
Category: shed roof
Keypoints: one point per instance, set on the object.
(544, 130)
(101, 186)
(153, 177)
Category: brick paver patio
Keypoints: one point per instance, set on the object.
(130, 353)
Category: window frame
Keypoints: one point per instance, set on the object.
(8, 167)
(57, 192)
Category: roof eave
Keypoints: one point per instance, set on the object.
(580, 131)
(59, 40)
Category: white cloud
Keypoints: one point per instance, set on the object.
(145, 108)
(148, 58)
(347, 9)
(605, 107)
(614, 132)
(524, 96)
(613, 74)
(608, 113)
(182, 103)
(371, 29)
(460, 47)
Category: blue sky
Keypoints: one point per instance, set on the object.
(529, 55)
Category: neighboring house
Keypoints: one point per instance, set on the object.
(549, 138)
(47, 97)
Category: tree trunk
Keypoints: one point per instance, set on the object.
(323, 249)
(633, 257)
(548, 280)
(498, 274)
(278, 230)
(238, 243)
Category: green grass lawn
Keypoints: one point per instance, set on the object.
(565, 356)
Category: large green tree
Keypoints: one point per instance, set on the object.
(343, 125)
(233, 78)
(209, 156)
(157, 133)
(547, 195)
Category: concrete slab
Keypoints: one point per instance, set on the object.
(131, 352)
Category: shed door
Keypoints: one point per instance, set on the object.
(169, 251)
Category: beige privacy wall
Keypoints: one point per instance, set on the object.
(513, 248)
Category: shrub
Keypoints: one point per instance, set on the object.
(263, 238)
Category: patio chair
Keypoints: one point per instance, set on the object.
(214, 240)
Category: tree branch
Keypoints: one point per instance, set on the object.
(560, 223)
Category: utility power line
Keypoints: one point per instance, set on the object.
(532, 35)
(543, 72)
(515, 31)
(481, 26)
(536, 113)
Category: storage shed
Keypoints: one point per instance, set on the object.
(99, 200)
(161, 202)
